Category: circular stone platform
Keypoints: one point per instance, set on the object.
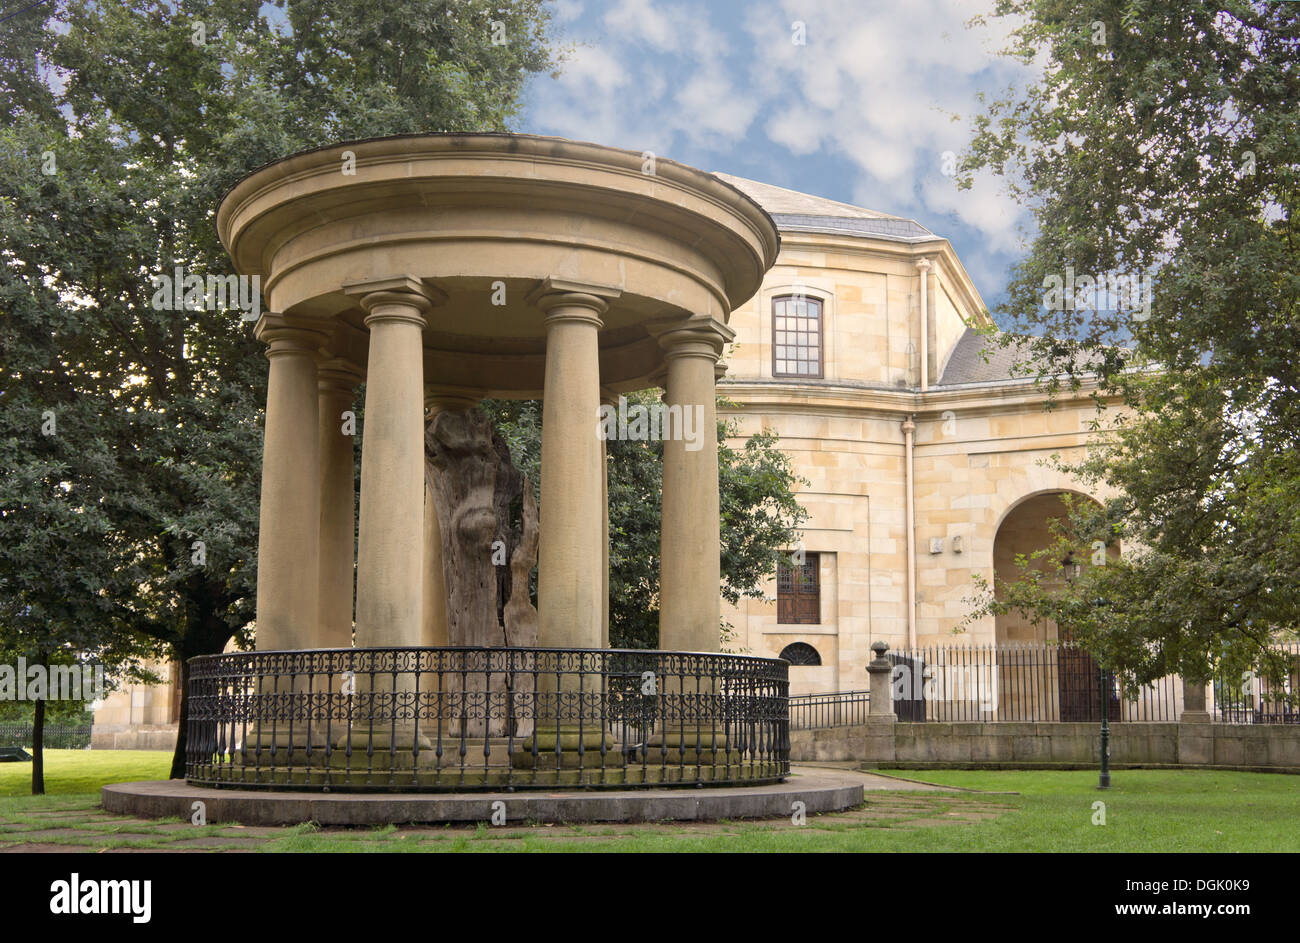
(819, 791)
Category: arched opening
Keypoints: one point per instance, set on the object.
(801, 654)
(1042, 676)
(1025, 530)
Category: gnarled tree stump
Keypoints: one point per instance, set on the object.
(488, 521)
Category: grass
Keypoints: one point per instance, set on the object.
(85, 771)
(1145, 810)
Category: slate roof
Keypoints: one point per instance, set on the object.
(802, 212)
(889, 228)
(966, 365)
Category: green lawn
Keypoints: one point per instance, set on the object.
(1146, 810)
(85, 771)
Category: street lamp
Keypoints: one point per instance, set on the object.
(1103, 780)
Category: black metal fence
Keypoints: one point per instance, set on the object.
(841, 709)
(430, 719)
(1022, 682)
(56, 736)
(1251, 698)
(1045, 682)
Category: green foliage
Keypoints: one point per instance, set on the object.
(68, 713)
(1172, 148)
(759, 514)
(158, 413)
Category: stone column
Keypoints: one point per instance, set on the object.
(689, 578)
(879, 744)
(337, 384)
(390, 543)
(607, 398)
(390, 549)
(289, 530)
(433, 629)
(434, 632)
(1196, 733)
(880, 671)
(1194, 711)
(569, 582)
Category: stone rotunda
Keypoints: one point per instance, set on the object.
(440, 270)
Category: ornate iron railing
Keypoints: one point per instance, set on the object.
(449, 719)
(837, 709)
(56, 736)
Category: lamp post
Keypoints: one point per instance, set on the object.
(1103, 689)
(1105, 684)
(1103, 781)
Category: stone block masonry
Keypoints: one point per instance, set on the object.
(1257, 747)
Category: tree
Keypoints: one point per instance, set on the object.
(488, 524)
(759, 514)
(60, 552)
(1163, 142)
(152, 110)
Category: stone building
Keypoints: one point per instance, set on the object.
(925, 457)
(139, 716)
(927, 460)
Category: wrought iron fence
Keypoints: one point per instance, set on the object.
(841, 709)
(1021, 681)
(1035, 681)
(1252, 698)
(433, 719)
(56, 736)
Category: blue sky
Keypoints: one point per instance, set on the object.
(862, 112)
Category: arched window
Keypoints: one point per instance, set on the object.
(800, 653)
(796, 336)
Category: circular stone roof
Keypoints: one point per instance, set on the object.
(485, 219)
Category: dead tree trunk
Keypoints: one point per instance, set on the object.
(489, 526)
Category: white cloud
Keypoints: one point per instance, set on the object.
(876, 85)
(795, 129)
(593, 66)
(711, 104)
(640, 20)
(566, 11)
(983, 207)
(665, 27)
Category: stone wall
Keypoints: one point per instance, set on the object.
(133, 737)
(1053, 745)
(980, 449)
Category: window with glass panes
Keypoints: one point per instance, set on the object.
(796, 337)
(799, 592)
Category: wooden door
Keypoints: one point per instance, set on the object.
(798, 592)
